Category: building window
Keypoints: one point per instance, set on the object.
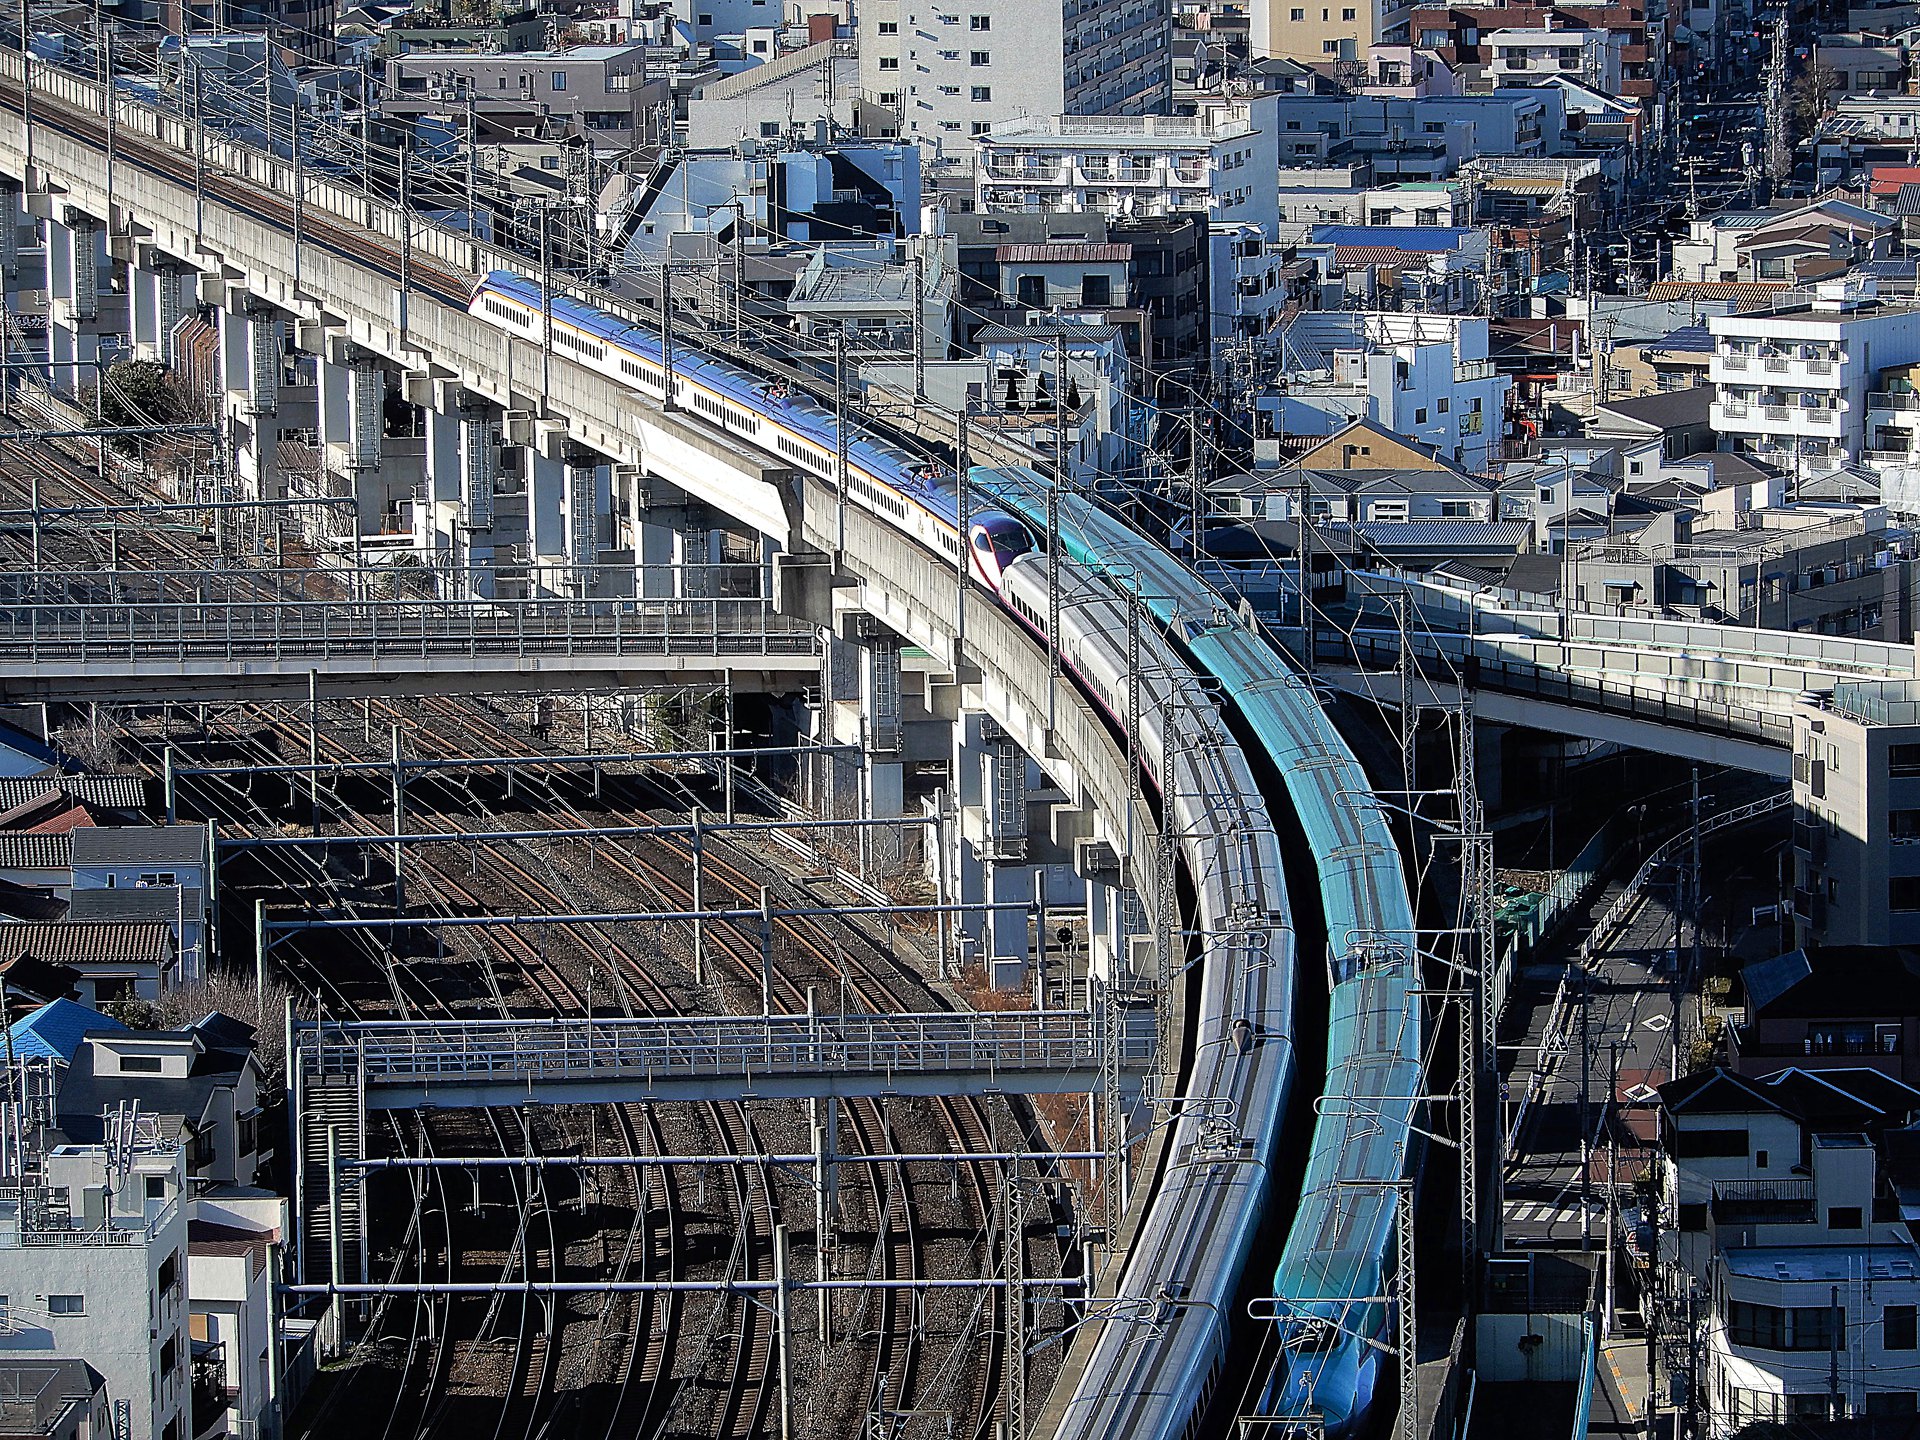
(769, 129)
(1898, 1330)
(1903, 760)
(1692, 1218)
(1903, 825)
(1032, 291)
(1329, 47)
(1903, 893)
(66, 1304)
(889, 62)
(1843, 1217)
(983, 92)
(1096, 290)
(559, 81)
(980, 127)
(139, 1064)
(889, 27)
(979, 23)
(979, 57)
(1420, 415)
(1349, 14)
(1761, 1159)
(156, 1187)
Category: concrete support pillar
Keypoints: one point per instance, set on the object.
(251, 350)
(74, 244)
(10, 219)
(155, 301)
(883, 775)
(546, 506)
(1489, 748)
(1098, 865)
(74, 261)
(440, 496)
(1003, 785)
(366, 412)
(584, 500)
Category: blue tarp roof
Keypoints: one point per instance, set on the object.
(1424, 238)
(56, 1028)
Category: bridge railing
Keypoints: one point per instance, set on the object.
(1589, 690)
(1478, 613)
(666, 1048)
(327, 629)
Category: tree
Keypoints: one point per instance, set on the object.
(141, 392)
(1809, 94)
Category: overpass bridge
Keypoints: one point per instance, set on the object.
(404, 1064)
(1692, 689)
(151, 651)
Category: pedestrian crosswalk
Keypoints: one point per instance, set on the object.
(1548, 1213)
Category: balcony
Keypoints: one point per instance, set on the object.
(1732, 362)
(1776, 364)
(1724, 410)
(1763, 1202)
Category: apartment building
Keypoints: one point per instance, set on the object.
(1219, 163)
(1534, 55)
(1792, 383)
(1793, 243)
(1856, 794)
(93, 1264)
(955, 74)
(1425, 378)
(1779, 1207)
(1460, 36)
(1344, 31)
(598, 91)
(1147, 277)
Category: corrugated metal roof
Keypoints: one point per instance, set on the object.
(1065, 253)
(1372, 255)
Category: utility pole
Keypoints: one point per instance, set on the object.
(1303, 555)
(1586, 1105)
(840, 433)
(919, 326)
(666, 332)
(473, 166)
(1196, 486)
(406, 240)
(1779, 156)
(546, 321)
(961, 464)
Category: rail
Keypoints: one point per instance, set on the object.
(713, 1047)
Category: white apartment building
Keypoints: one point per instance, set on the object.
(1423, 377)
(1792, 384)
(1531, 56)
(93, 1264)
(1220, 163)
(1856, 802)
(1246, 277)
(953, 73)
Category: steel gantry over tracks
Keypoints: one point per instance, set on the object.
(404, 1064)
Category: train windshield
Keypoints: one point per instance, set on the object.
(1004, 535)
